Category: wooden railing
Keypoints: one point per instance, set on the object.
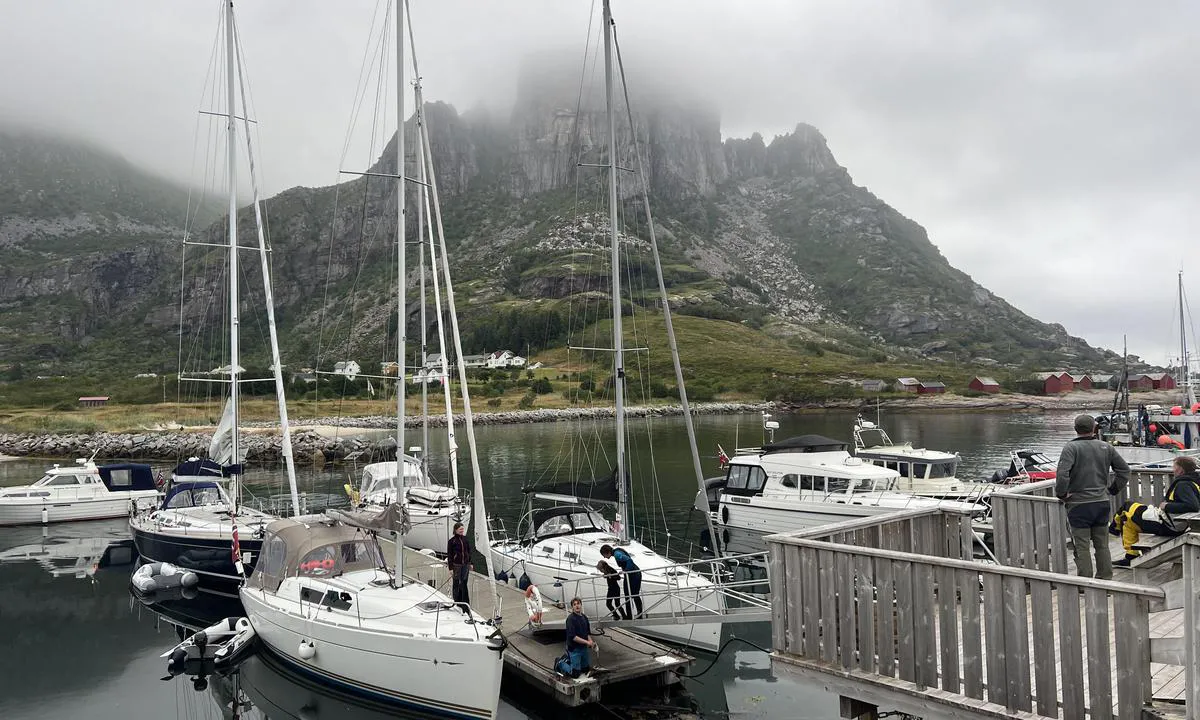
(1030, 524)
(897, 597)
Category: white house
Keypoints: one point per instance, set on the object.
(475, 361)
(505, 358)
(348, 368)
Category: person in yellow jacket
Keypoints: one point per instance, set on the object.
(1134, 517)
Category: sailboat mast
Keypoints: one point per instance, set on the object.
(401, 288)
(483, 540)
(289, 461)
(421, 194)
(618, 334)
(234, 319)
(1183, 369)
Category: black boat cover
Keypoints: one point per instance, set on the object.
(805, 443)
(128, 476)
(598, 489)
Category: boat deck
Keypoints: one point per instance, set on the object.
(621, 656)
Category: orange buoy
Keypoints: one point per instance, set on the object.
(1153, 427)
(1176, 410)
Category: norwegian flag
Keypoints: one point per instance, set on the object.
(722, 458)
(237, 552)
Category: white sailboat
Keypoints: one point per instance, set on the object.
(558, 547)
(325, 602)
(200, 525)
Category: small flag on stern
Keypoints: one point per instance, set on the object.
(722, 458)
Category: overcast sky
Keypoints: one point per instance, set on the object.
(1050, 148)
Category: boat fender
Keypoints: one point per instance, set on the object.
(523, 582)
(307, 650)
(533, 604)
(502, 576)
(725, 515)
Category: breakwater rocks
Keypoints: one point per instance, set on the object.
(313, 440)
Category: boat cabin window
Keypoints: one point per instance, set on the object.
(790, 481)
(745, 480)
(120, 478)
(270, 562)
(837, 485)
(58, 481)
(338, 558)
(812, 482)
(902, 468)
(920, 470)
(942, 469)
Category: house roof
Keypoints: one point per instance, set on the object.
(986, 381)
(1158, 376)
(1078, 378)
(908, 381)
(1101, 378)
(1048, 375)
(933, 384)
(93, 397)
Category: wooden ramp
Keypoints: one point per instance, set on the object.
(622, 657)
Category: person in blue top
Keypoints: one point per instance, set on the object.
(579, 639)
(632, 573)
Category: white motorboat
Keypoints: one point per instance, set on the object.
(808, 481)
(432, 509)
(922, 471)
(323, 600)
(83, 491)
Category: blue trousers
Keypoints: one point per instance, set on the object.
(581, 659)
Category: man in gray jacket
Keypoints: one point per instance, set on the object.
(1084, 488)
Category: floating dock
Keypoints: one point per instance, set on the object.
(622, 656)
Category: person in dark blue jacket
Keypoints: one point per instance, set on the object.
(632, 573)
(1135, 517)
(579, 639)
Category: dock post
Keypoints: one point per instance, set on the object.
(853, 709)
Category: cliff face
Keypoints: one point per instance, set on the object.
(774, 234)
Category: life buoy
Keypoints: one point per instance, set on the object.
(533, 604)
(725, 514)
(327, 563)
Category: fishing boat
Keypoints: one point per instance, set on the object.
(323, 599)
(201, 524)
(560, 535)
(83, 491)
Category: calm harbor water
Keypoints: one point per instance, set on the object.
(79, 647)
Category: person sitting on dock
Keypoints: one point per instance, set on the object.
(616, 604)
(579, 639)
(1082, 485)
(1134, 518)
(458, 557)
(633, 574)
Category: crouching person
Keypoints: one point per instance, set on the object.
(1135, 518)
(579, 639)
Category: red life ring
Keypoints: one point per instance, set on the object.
(327, 563)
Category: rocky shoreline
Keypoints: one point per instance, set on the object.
(328, 440)
(313, 440)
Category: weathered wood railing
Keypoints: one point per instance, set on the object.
(1031, 524)
(895, 602)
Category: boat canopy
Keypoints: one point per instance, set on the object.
(566, 520)
(382, 476)
(805, 443)
(323, 549)
(597, 489)
(127, 476)
(193, 493)
(873, 437)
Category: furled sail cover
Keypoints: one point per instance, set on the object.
(221, 447)
(598, 489)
